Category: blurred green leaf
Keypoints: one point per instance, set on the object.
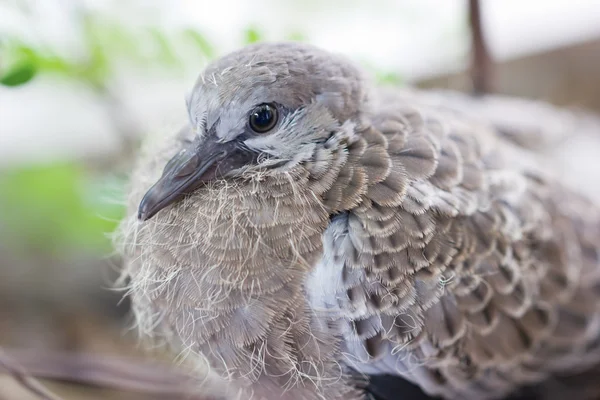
(252, 35)
(58, 65)
(55, 209)
(19, 64)
(98, 65)
(38, 60)
(200, 41)
(107, 43)
(119, 41)
(296, 37)
(389, 78)
(163, 51)
(18, 75)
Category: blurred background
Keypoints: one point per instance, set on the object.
(82, 82)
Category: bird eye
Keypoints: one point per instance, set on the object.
(263, 118)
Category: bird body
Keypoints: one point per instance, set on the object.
(368, 231)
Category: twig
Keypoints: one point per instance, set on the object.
(110, 372)
(481, 61)
(26, 380)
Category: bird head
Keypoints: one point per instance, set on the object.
(261, 110)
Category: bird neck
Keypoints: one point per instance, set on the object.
(254, 244)
(231, 288)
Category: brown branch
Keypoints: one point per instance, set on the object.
(481, 60)
(15, 370)
(108, 372)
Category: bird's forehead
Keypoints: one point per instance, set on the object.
(290, 74)
(228, 94)
(240, 82)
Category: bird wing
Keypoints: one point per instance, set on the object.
(532, 124)
(454, 259)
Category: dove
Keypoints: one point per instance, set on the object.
(308, 233)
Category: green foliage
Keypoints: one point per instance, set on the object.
(163, 50)
(55, 209)
(388, 78)
(252, 35)
(106, 43)
(296, 36)
(19, 64)
(19, 74)
(200, 42)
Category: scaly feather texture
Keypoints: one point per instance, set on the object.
(419, 235)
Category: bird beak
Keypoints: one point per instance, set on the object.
(196, 164)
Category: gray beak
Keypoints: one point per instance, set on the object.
(196, 164)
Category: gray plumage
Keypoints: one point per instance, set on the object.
(378, 230)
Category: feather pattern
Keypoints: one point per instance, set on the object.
(479, 264)
(380, 232)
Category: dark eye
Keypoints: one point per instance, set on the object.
(263, 118)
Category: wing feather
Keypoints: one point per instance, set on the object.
(461, 267)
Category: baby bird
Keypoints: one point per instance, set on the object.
(311, 231)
